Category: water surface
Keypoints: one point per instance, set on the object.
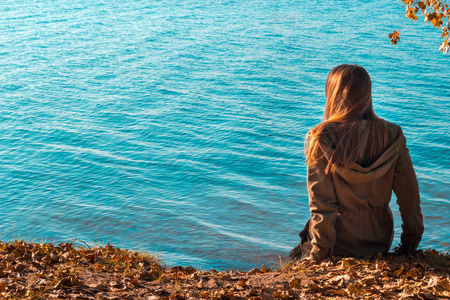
(178, 126)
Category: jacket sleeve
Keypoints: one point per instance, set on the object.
(406, 188)
(324, 208)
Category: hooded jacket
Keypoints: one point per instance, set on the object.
(350, 214)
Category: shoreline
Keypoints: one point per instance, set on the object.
(65, 271)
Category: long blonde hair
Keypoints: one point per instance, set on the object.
(349, 102)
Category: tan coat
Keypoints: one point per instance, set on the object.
(350, 214)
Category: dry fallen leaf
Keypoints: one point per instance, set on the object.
(295, 282)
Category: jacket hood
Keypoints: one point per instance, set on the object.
(360, 175)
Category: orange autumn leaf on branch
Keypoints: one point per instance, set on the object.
(394, 37)
(437, 12)
(411, 13)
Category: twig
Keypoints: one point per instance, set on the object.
(81, 242)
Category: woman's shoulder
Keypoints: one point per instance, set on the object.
(391, 126)
(395, 131)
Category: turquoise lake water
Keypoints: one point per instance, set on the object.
(178, 126)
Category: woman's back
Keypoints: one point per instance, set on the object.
(354, 164)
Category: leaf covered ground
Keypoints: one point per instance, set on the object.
(66, 271)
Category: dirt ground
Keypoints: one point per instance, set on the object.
(65, 271)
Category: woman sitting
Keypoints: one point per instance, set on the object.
(355, 160)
